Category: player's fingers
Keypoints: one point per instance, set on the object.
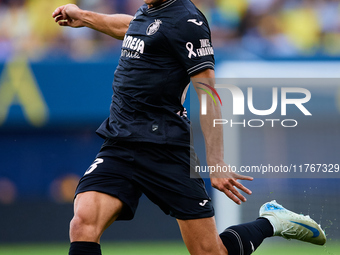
(58, 18)
(237, 194)
(231, 196)
(64, 23)
(57, 11)
(243, 177)
(227, 188)
(217, 184)
(241, 187)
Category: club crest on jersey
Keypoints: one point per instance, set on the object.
(153, 28)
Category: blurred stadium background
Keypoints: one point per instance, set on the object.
(55, 90)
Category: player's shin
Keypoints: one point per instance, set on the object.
(245, 238)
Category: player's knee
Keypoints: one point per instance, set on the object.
(81, 229)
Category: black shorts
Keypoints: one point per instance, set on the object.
(162, 172)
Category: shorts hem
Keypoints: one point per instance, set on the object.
(194, 217)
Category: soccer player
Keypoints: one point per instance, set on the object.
(147, 137)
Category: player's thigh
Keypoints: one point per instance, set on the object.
(93, 213)
(201, 236)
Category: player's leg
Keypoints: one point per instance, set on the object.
(186, 199)
(201, 236)
(246, 238)
(274, 220)
(104, 194)
(93, 213)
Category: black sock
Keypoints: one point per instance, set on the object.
(84, 248)
(244, 239)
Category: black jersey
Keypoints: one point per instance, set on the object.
(162, 48)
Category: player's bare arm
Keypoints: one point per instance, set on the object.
(226, 182)
(114, 25)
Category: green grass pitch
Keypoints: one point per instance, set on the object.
(168, 248)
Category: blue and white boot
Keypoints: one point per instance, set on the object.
(291, 225)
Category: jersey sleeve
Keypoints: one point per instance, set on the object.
(190, 40)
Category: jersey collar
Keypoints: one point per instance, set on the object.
(161, 6)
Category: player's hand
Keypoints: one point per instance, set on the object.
(68, 15)
(227, 182)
